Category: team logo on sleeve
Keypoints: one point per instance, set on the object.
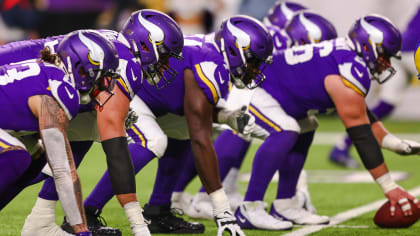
(359, 74)
(70, 94)
(66, 96)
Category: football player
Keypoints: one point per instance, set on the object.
(41, 97)
(230, 159)
(304, 27)
(145, 45)
(390, 92)
(186, 110)
(316, 78)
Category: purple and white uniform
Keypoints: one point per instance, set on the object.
(131, 74)
(20, 81)
(294, 87)
(83, 127)
(241, 97)
(163, 109)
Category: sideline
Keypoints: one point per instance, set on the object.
(347, 215)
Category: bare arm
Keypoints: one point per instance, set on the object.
(199, 114)
(111, 128)
(53, 125)
(111, 118)
(351, 108)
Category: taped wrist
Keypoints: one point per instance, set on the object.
(120, 166)
(366, 145)
(372, 117)
(219, 201)
(386, 182)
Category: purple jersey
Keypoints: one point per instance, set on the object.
(296, 77)
(202, 56)
(281, 40)
(26, 50)
(20, 81)
(131, 75)
(411, 34)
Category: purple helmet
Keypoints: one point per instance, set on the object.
(245, 44)
(89, 58)
(307, 27)
(154, 37)
(376, 39)
(282, 12)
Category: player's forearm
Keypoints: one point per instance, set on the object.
(77, 186)
(379, 131)
(53, 124)
(120, 166)
(206, 163)
(366, 145)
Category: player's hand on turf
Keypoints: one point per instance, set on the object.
(226, 222)
(398, 197)
(239, 120)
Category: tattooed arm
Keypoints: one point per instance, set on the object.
(53, 125)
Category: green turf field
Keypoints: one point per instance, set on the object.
(329, 198)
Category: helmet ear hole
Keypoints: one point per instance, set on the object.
(82, 72)
(232, 52)
(144, 47)
(365, 47)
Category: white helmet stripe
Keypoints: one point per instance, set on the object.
(286, 11)
(155, 33)
(314, 31)
(242, 38)
(375, 35)
(96, 53)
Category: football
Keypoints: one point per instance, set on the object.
(385, 220)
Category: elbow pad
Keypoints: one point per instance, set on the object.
(367, 146)
(120, 166)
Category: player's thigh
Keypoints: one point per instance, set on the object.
(269, 114)
(14, 158)
(146, 131)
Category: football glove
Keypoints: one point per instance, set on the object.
(239, 120)
(226, 222)
(131, 118)
(400, 146)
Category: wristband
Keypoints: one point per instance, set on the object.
(386, 182)
(220, 201)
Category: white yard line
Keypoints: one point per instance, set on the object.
(344, 216)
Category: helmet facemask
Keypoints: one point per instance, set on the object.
(160, 74)
(376, 39)
(381, 69)
(244, 65)
(154, 38)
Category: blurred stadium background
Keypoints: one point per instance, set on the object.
(30, 19)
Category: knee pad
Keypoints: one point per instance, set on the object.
(158, 145)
